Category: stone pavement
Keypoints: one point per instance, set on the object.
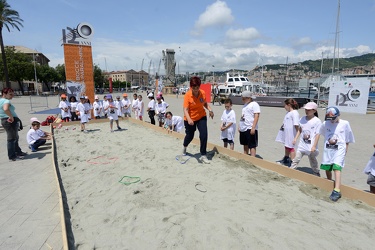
(29, 202)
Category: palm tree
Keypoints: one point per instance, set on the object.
(8, 18)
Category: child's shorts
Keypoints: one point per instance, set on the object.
(228, 141)
(371, 180)
(330, 167)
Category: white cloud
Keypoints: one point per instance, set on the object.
(216, 15)
(241, 37)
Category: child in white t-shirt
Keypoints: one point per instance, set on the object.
(228, 124)
(140, 107)
(64, 105)
(135, 105)
(309, 127)
(83, 110)
(35, 136)
(161, 108)
(248, 126)
(119, 106)
(173, 122)
(338, 134)
(370, 171)
(97, 106)
(126, 103)
(288, 131)
(111, 109)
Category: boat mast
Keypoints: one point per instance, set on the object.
(336, 41)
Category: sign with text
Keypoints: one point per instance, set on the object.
(350, 95)
(78, 57)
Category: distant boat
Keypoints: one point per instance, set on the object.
(235, 84)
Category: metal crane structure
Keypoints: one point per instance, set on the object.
(170, 67)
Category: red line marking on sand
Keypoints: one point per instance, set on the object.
(109, 160)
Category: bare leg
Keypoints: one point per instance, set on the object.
(329, 175)
(245, 149)
(337, 178)
(231, 146)
(253, 151)
(225, 144)
(372, 189)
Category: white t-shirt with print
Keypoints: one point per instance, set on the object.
(370, 167)
(65, 105)
(161, 107)
(247, 116)
(288, 131)
(127, 105)
(309, 130)
(228, 116)
(336, 136)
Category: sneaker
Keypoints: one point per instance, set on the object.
(204, 159)
(184, 151)
(13, 159)
(85, 131)
(118, 128)
(335, 195)
(316, 174)
(112, 131)
(22, 154)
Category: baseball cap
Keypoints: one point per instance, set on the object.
(150, 95)
(82, 97)
(63, 96)
(332, 113)
(34, 119)
(118, 97)
(125, 95)
(109, 96)
(96, 97)
(310, 105)
(158, 97)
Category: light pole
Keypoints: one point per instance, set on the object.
(213, 74)
(36, 79)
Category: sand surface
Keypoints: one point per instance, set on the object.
(184, 204)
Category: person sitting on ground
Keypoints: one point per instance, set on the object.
(35, 136)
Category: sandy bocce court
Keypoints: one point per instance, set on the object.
(131, 190)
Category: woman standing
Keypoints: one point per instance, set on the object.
(11, 124)
(195, 117)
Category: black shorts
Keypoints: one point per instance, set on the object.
(371, 180)
(250, 140)
(228, 141)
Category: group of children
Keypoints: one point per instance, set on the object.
(306, 131)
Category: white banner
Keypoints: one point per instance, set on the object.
(76, 89)
(350, 95)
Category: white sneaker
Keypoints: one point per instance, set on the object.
(184, 151)
(204, 159)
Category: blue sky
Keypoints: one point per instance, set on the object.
(227, 34)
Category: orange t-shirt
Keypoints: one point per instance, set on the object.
(195, 105)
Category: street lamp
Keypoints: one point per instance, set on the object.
(36, 79)
(213, 74)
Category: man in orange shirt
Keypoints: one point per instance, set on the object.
(195, 117)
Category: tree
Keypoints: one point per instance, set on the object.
(98, 76)
(8, 18)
